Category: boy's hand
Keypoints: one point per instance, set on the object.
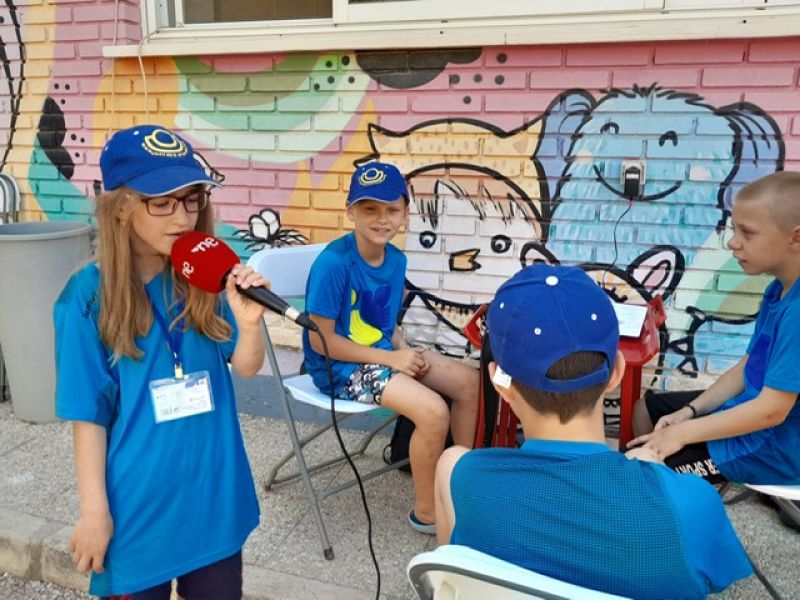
(89, 541)
(426, 366)
(679, 416)
(246, 311)
(664, 442)
(643, 453)
(409, 361)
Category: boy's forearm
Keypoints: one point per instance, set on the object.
(344, 349)
(90, 466)
(766, 410)
(248, 355)
(728, 385)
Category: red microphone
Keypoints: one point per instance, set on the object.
(205, 261)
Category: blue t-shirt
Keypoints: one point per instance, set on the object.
(363, 300)
(768, 456)
(584, 514)
(181, 492)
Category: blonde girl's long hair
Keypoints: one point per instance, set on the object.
(125, 310)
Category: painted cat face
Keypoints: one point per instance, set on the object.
(476, 202)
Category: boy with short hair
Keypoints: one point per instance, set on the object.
(746, 426)
(564, 504)
(354, 294)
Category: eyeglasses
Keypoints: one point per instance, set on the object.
(164, 206)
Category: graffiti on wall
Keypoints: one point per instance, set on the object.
(493, 189)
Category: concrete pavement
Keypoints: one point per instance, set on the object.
(283, 557)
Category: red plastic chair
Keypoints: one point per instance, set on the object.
(637, 352)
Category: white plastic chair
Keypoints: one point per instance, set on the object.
(460, 573)
(783, 496)
(287, 269)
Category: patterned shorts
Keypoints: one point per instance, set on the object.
(366, 384)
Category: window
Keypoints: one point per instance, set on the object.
(175, 27)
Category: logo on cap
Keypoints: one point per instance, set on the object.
(164, 143)
(372, 176)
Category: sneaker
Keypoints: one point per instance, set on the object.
(417, 525)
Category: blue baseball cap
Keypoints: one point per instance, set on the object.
(377, 181)
(151, 160)
(544, 313)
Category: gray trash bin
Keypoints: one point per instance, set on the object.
(36, 258)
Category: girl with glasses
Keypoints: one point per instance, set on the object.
(142, 359)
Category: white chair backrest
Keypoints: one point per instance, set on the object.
(459, 573)
(286, 267)
(790, 492)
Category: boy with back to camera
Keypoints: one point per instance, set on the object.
(354, 294)
(564, 504)
(746, 426)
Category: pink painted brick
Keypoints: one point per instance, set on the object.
(390, 103)
(77, 33)
(666, 78)
(775, 50)
(722, 97)
(796, 126)
(529, 101)
(562, 79)
(100, 12)
(495, 79)
(126, 32)
(447, 104)
(90, 49)
(245, 178)
(700, 52)
(234, 214)
(522, 56)
(788, 100)
(738, 76)
(231, 195)
(608, 54)
(792, 149)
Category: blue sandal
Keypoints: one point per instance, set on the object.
(417, 525)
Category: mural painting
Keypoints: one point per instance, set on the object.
(512, 156)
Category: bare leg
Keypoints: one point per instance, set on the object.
(461, 384)
(445, 512)
(641, 419)
(428, 411)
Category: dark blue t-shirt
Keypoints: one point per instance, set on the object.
(772, 455)
(363, 300)
(586, 515)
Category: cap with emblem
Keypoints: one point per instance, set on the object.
(545, 313)
(150, 160)
(377, 181)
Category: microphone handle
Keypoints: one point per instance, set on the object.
(278, 305)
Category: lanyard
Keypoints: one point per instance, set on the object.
(174, 337)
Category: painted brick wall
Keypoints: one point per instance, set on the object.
(511, 151)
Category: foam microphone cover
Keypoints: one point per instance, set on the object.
(203, 260)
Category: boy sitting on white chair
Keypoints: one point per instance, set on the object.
(564, 504)
(354, 295)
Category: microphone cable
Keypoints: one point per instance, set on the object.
(360, 483)
(616, 248)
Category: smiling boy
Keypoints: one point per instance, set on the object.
(354, 295)
(746, 426)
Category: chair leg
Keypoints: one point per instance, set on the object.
(773, 593)
(790, 509)
(272, 476)
(313, 497)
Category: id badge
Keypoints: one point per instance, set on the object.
(175, 398)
